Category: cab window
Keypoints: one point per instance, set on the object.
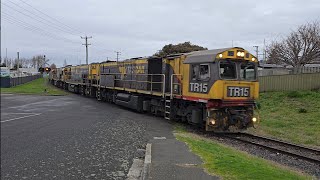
(200, 72)
(248, 71)
(228, 70)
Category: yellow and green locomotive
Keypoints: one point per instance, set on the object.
(215, 89)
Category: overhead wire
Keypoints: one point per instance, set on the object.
(34, 28)
(96, 42)
(56, 20)
(33, 18)
(49, 21)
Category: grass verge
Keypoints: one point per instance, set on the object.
(292, 116)
(37, 86)
(229, 163)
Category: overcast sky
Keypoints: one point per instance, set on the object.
(141, 27)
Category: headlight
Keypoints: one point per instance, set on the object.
(254, 119)
(253, 59)
(212, 122)
(242, 54)
(238, 53)
(220, 55)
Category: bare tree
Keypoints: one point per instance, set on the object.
(53, 66)
(25, 63)
(299, 48)
(39, 61)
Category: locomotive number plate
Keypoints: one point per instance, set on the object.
(238, 91)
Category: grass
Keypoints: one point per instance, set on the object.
(292, 116)
(229, 163)
(37, 86)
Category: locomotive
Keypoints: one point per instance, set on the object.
(214, 89)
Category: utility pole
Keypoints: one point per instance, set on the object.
(18, 61)
(118, 53)
(86, 44)
(44, 61)
(6, 60)
(257, 51)
(0, 32)
(264, 51)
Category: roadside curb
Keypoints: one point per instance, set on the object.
(147, 162)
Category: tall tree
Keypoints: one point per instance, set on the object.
(299, 48)
(178, 48)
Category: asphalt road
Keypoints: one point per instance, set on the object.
(71, 137)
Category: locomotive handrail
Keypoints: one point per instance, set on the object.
(141, 81)
(172, 83)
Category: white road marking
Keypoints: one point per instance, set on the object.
(34, 114)
(18, 113)
(159, 138)
(40, 102)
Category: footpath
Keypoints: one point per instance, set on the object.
(166, 158)
(170, 158)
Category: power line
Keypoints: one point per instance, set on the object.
(74, 29)
(55, 21)
(41, 21)
(33, 28)
(86, 44)
(36, 15)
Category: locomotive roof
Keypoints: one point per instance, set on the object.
(205, 56)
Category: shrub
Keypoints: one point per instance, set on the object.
(258, 105)
(302, 110)
(294, 94)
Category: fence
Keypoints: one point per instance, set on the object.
(298, 70)
(290, 82)
(7, 82)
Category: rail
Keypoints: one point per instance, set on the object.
(298, 151)
(151, 82)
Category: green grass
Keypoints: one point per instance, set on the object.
(292, 116)
(37, 86)
(229, 163)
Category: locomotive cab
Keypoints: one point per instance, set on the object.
(225, 80)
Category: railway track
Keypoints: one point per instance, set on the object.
(290, 149)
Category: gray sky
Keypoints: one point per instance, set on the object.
(140, 28)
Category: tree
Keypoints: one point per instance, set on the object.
(39, 61)
(299, 48)
(53, 66)
(178, 48)
(15, 66)
(24, 62)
